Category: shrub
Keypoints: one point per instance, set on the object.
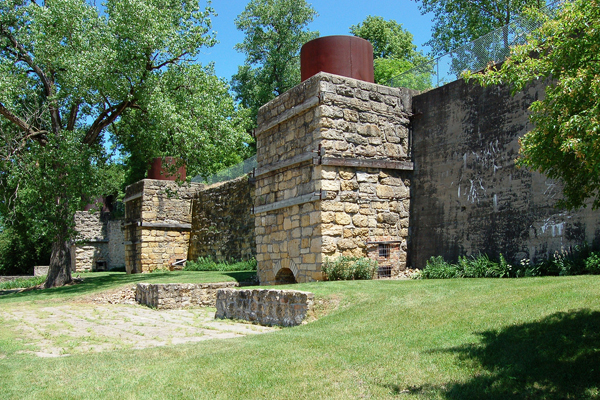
(467, 267)
(208, 264)
(592, 263)
(117, 269)
(349, 268)
(438, 268)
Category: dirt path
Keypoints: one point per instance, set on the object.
(80, 327)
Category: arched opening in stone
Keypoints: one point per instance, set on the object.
(284, 276)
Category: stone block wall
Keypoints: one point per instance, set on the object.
(364, 128)
(157, 224)
(288, 240)
(333, 176)
(179, 295)
(99, 243)
(265, 307)
(222, 222)
(468, 196)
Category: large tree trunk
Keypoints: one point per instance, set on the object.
(59, 272)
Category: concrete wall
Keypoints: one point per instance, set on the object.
(222, 221)
(468, 196)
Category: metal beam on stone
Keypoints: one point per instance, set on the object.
(284, 116)
(306, 198)
(165, 225)
(300, 158)
(357, 162)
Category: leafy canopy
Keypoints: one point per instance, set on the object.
(565, 141)
(457, 22)
(72, 76)
(275, 30)
(393, 50)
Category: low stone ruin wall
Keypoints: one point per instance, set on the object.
(179, 295)
(13, 278)
(266, 307)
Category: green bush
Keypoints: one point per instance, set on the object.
(467, 267)
(438, 268)
(208, 264)
(592, 263)
(349, 268)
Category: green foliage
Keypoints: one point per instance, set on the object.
(21, 248)
(437, 268)
(22, 283)
(208, 264)
(349, 268)
(74, 75)
(274, 30)
(467, 267)
(189, 115)
(592, 263)
(457, 22)
(577, 260)
(563, 145)
(393, 50)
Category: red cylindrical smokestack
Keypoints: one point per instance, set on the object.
(349, 56)
(159, 169)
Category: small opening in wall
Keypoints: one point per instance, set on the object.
(384, 250)
(384, 271)
(100, 265)
(285, 276)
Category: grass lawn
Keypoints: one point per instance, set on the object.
(530, 338)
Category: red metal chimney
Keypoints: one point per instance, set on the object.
(349, 56)
(159, 169)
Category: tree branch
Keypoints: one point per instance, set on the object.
(29, 130)
(73, 116)
(173, 60)
(104, 119)
(46, 82)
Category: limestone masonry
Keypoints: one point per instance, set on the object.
(266, 307)
(222, 222)
(157, 224)
(99, 244)
(179, 295)
(332, 177)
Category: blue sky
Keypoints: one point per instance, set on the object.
(335, 18)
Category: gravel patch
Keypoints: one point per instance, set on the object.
(112, 321)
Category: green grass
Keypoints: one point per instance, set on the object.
(533, 338)
(99, 281)
(22, 283)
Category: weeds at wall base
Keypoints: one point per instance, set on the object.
(578, 260)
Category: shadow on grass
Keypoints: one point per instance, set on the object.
(244, 277)
(112, 280)
(557, 357)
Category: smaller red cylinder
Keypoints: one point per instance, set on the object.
(349, 56)
(159, 169)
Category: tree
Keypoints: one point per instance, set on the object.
(457, 22)
(70, 75)
(565, 141)
(393, 50)
(275, 30)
